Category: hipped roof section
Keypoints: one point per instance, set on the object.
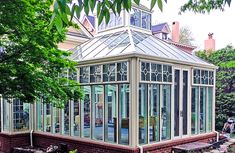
(129, 42)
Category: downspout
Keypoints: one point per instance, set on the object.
(217, 136)
(141, 149)
(31, 138)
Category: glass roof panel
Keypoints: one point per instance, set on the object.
(119, 43)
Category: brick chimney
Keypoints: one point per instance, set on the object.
(209, 44)
(175, 31)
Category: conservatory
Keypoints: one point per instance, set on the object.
(138, 91)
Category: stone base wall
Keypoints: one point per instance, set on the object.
(40, 139)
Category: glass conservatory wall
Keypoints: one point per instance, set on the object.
(202, 101)
(15, 115)
(103, 113)
(154, 90)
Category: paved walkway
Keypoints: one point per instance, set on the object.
(223, 148)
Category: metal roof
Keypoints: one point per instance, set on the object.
(132, 42)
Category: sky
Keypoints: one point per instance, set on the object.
(222, 24)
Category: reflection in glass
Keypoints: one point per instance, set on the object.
(56, 120)
(85, 108)
(39, 115)
(194, 109)
(47, 117)
(154, 113)
(210, 108)
(66, 119)
(185, 103)
(110, 113)
(177, 103)
(143, 115)
(6, 113)
(20, 115)
(202, 109)
(166, 112)
(124, 114)
(76, 118)
(97, 112)
(135, 17)
(146, 20)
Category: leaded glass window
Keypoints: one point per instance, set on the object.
(84, 74)
(122, 71)
(167, 73)
(211, 78)
(145, 71)
(196, 76)
(95, 73)
(109, 72)
(204, 77)
(156, 72)
(72, 75)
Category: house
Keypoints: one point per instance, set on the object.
(141, 94)
(75, 37)
(163, 32)
(89, 23)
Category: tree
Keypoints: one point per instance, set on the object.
(31, 65)
(186, 36)
(225, 82)
(62, 8)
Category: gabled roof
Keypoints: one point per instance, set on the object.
(132, 42)
(91, 20)
(162, 27)
(82, 31)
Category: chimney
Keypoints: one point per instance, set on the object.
(175, 31)
(209, 44)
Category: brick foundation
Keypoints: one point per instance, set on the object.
(8, 141)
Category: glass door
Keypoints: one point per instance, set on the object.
(181, 92)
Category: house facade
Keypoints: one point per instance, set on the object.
(141, 94)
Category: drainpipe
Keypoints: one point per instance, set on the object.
(141, 149)
(31, 138)
(217, 136)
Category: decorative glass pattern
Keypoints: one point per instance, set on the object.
(72, 75)
(211, 78)
(204, 77)
(196, 76)
(156, 72)
(95, 73)
(109, 72)
(122, 71)
(145, 71)
(84, 74)
(167, 73)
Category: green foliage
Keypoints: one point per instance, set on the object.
(103, 8)
(225, 82)
(31, 62)
(202, 6)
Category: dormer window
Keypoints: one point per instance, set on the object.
(140, 19)
(115, 21)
